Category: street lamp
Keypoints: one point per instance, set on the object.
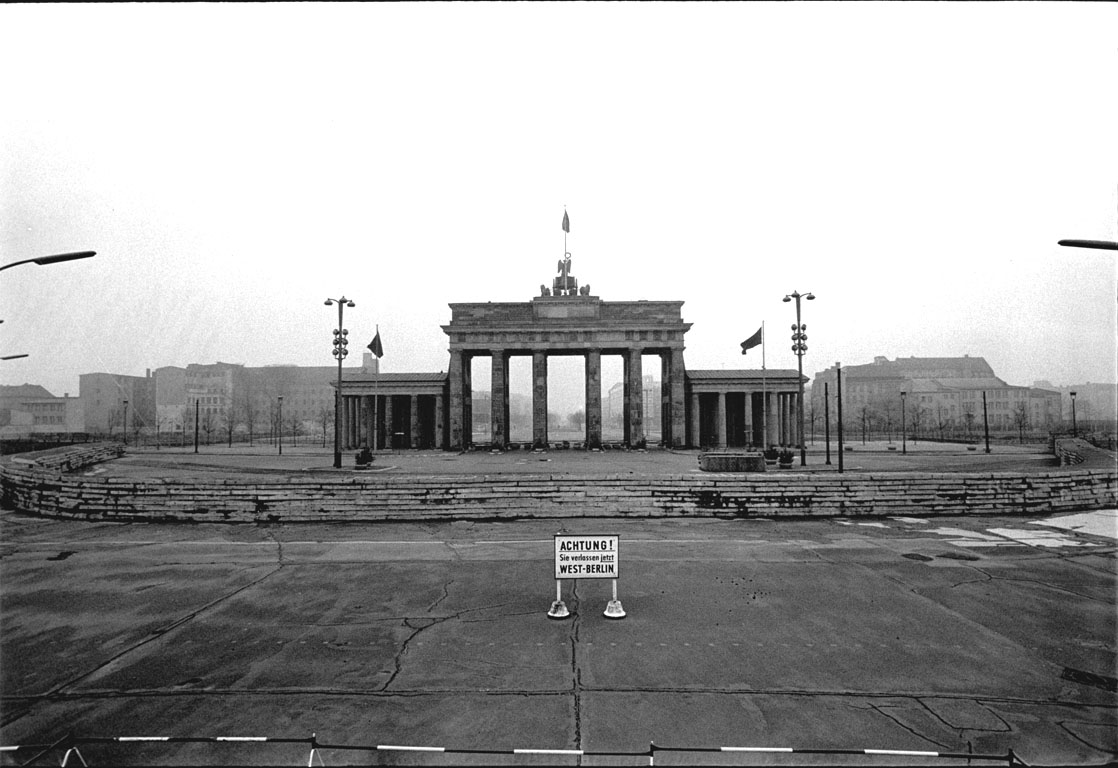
(279, 424)
(46, 260)
(55, 259)
(1074, 427)
(340, 342)
(799, 348)
(126, 422)
(904, 434)
(1105, 245)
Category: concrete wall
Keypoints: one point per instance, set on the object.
(35, 488)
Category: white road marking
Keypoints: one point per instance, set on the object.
(1039, 538)
(1103, 522)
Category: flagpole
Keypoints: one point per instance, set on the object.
(764, 394)
(376, 381)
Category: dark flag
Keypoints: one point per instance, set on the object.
(753, 340)
(566, 222)
(375, 346)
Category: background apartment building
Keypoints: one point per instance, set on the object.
(28, 409)
(103, 397)
(943, 398)
(233, 402)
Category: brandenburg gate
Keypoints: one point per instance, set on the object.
(578, 325)
(716, 408)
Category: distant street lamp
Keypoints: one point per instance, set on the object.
(838, 378)
(126, 422)
(799, 348)
(1074, 426)
(340, 343)
(904, 433)
(827, 421)
(985, 421)
(279, 423)
(55, 259)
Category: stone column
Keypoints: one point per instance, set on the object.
(778, 417)
(786, 419)
(414, 437)
(389, 437)
(362, 420)
(677, 373)
(457, 408)
(747, 418)
(773, 436)
(539, 399)
(667, 433)
(794, 419)
(347, 413)
(440, 422)
(634, 413)
(625, 425)
(720, 421)
(696, 422)
(499, 405)
(594, 398)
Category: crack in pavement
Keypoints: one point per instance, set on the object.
(430, 621)
(1064, 727)
(576, 672)
(159, 633)
(445, 595)
(962, 728)
(881, 711)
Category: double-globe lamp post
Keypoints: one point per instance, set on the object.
(799, 348)
(340, 343)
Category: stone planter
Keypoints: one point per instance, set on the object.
(732, 462)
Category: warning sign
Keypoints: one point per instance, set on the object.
(586, 557)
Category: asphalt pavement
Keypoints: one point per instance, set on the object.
(923, 635)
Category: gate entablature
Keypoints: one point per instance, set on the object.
(568, 324)
(559, 324)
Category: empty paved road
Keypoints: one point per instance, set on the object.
(937, 634)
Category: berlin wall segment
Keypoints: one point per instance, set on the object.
(28, 487)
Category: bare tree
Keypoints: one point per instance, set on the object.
(866, 417)
(209, 424)
(917, 416)
(887, 409)
(577, 419)
(1021, 420)
(326, 419)
(968, 417)
(250, 410)
(229, 421)
(296, 428)
(186, 416)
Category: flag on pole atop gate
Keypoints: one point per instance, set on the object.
(375, 345)
(566, 222)
(753, 340)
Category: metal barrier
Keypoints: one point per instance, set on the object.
(72, 756)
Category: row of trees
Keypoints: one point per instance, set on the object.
(227, 424)
(883, 419)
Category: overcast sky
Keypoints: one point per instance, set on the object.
(233, 166)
